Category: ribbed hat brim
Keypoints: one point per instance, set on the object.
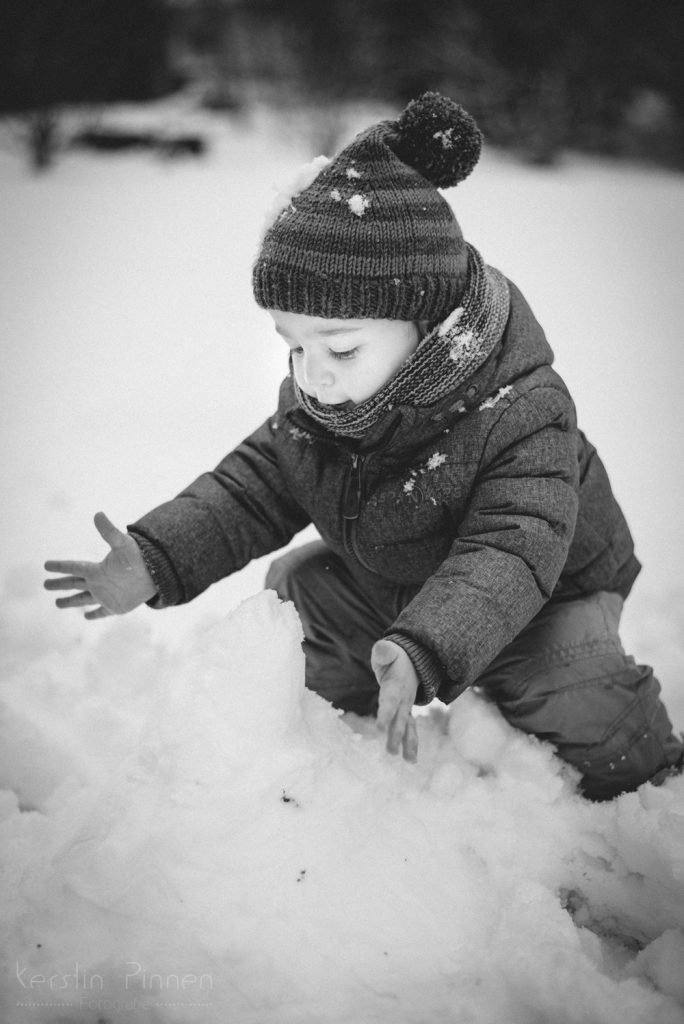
(413, 298)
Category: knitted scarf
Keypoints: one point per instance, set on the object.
(447, 356)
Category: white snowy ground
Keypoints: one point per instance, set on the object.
(188, 836)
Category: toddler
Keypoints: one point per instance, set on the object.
(469, 535)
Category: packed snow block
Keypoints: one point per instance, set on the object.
(142, 868)
(521, 763)
(632, 865)
(234, 695)
(661, 963)
(70, 711)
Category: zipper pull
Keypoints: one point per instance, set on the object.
(351, 504)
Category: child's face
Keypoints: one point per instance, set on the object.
(338, 361)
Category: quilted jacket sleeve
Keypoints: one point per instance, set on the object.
(510, 549)
(239, 511)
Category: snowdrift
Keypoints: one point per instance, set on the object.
(200, 838)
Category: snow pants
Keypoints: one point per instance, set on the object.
(565, 678)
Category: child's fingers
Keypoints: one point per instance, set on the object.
(66, 583)
(97, 613)
(395, 736)
(410, 741)
(69, 568)
(388, 704)
(76, 600)
(108, 531)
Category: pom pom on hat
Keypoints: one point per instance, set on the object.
(439, 139)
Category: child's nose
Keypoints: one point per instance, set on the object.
(316, 373)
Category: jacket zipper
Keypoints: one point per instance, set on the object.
(351, 507)
(351, 503)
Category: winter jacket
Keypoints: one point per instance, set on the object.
(484, 506)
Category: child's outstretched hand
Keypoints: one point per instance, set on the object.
(117, 584)
(398, 683)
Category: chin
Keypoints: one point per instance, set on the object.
(327, 400)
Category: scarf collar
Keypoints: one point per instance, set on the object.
(448, 355)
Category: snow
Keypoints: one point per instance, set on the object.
(188, 834)
(288, 190)
(358, 204)
(450, 322)
(436, 460)
(494, 400)
(446, 137)
(234, 829)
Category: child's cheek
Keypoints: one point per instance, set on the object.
(298, 376)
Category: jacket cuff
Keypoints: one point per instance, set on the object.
(169, 590)
(430, 672)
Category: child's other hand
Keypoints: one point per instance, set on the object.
(117, 584)
(398, 683)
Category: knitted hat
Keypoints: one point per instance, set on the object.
(370, 235)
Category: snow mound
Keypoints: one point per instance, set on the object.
(202, 839)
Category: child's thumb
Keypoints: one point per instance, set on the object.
(108, 531)
(383, 656)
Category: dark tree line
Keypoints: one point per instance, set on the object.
(56, 53)
(539, 75)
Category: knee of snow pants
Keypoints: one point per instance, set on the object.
(341, 622)
(567, 679)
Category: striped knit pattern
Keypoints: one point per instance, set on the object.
(370, 237)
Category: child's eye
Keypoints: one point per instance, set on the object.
(347, 354)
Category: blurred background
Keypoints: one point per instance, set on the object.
(540, 76)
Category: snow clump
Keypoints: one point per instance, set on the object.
(358, 204)
(285, 192)
(493, 400)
